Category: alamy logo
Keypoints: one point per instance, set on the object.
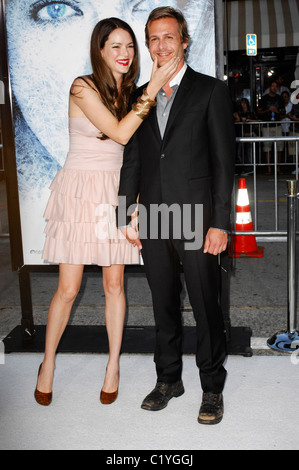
(183, 222)
(295, 94)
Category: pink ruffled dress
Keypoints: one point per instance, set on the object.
(81, 221)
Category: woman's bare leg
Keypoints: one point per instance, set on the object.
(70, 277)
(115, 310)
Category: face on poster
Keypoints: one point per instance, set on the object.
(48, 47)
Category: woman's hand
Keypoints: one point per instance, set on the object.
(161, 75)
(92, 106)
(132, 236)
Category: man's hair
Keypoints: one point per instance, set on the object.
(168, 12)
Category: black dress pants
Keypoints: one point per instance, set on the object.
(162, 265)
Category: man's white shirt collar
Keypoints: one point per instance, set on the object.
(177, 79)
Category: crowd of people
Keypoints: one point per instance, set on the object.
(276, 116)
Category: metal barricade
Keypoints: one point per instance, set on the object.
(288, 341)
(275, 234)
(256, 129)
(283, 341)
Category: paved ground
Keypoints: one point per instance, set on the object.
(258, 293)
(257, 413)
(260, 402)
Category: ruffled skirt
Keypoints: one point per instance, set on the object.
(81, 221)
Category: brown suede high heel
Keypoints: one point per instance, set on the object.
(42, 398)
(108, 398)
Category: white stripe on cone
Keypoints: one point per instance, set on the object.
(243, 218)
(242, 199)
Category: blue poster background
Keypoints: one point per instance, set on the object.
(48, 46)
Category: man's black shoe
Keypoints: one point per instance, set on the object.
(211, 410)
(162, 393)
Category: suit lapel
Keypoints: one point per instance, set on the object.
(179, 102)
(152, 119)
(180, 99)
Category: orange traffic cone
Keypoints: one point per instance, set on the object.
(244, 245)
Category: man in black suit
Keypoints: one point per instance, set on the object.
(183, 156)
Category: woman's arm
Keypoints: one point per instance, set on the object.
(90, 103)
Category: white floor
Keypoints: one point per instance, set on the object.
(260, 399)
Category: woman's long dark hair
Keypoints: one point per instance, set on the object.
(102, 78)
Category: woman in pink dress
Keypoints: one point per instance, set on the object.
(81, 226)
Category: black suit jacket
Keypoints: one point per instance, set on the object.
(194, 162)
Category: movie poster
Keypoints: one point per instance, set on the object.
(48, 47)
